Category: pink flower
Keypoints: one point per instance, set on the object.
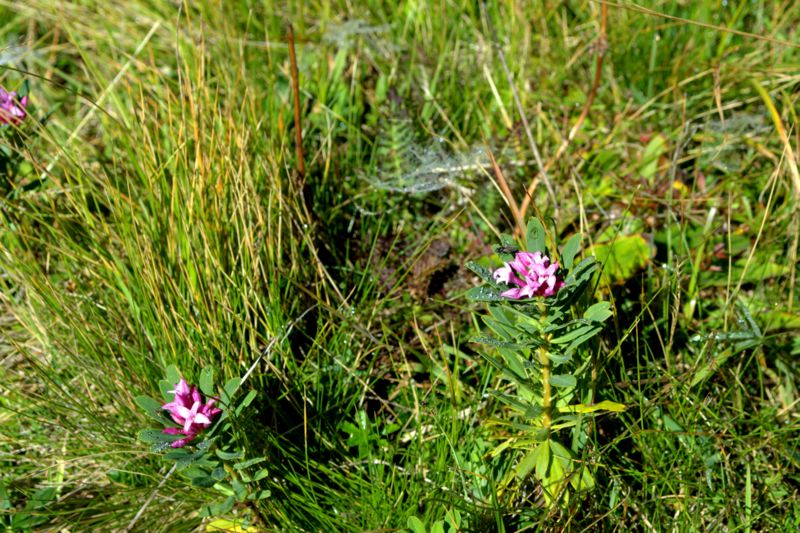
(533, 275)
(188, 410)
(12, 110)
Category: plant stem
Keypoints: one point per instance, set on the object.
(544, 361)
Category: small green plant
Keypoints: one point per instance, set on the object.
(216, 461)
(539, 329)
(34, 513)
(450, 524)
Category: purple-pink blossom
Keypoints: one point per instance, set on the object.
(188, 410)
(530, 274)
(12, 110)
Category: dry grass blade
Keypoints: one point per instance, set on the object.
(523, 116)
(600, 51)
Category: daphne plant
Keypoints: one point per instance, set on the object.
(539, 323)
(199, 434)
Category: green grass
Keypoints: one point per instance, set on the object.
(158, 219)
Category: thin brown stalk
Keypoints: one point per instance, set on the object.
(534, 148)
(298, 126)
(601, 45)
(512, 204)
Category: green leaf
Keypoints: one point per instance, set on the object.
(558, 358)
(229, 456)
(576, 283)
(159, 447)
(229, 390)
(165, 387)
(551, 483)
(582, 272)
(151, 407)
(485, 294)
(155, 435)
(670, 424)
(250, 462)
(194, 472)
(41, 498)
(239, 489)
(535, 236)
(560, 451)
(622, 257)
(246, 401)
(207, 381)
(514, 361)
(225, 489)
(218, 508)
(481, 271)
(218, 473)
(174, 455)
(23, 89)
(172, 374)
(569, 251)
(192, 458)
(563, 380)
(203, 482)
(652, 153)
(572, 333)
(490, 341)
(205, 444)
(503, 327)
(521, 381)
(605, 405)
(527, 464)
(529, 411)
(585, 481)
(543, 460)
(599, 312)
(416, 525)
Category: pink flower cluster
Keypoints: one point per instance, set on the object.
(12, 110)
(188, 410)
(533, 275)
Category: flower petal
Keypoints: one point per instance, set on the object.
(511, 293)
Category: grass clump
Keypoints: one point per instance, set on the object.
(151, 214)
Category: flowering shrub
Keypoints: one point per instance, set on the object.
(204, 444)
(533, 275)
(188, 410)
(537, 341)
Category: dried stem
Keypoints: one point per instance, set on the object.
(150, 499)
(512, 204)
(298, 125)
(523, 117)
(601, 45)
